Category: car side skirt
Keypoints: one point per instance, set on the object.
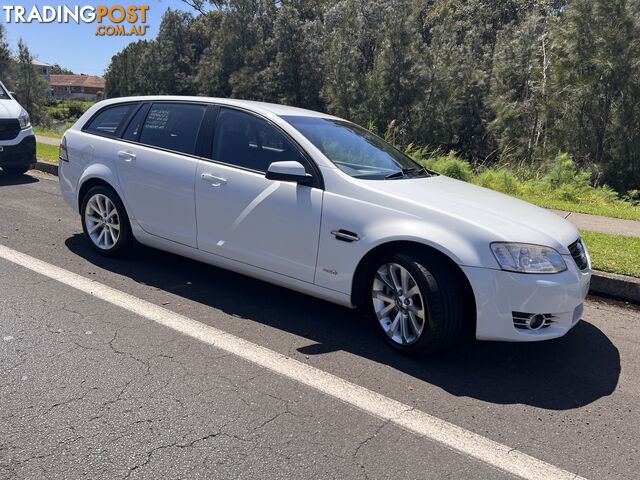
(322, 293)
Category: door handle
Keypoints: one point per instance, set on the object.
(127, 156)
(213, 180)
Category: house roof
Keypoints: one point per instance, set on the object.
(77, 81)
(38, 63)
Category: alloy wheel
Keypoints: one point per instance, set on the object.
(398, 304)
(102, 221)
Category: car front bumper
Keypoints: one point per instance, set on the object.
(500, 294)
(21, 154)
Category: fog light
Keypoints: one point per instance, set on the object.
(535, 322)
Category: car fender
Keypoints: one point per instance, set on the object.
(338, 260)
(108, 175)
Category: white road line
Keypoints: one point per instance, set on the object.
(493, 453)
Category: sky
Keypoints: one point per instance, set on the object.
(77, 47)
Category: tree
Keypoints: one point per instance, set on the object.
(595, 80)
(294, 76)
(350, 40)
(529, 77)
(5, 56)
(173, 55)
(518, 89)
(58, 70)
(164, 66)
(127, 74)
(29, 84)
(217, 61)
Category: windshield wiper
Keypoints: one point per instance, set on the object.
(398, 174)
(406, 171)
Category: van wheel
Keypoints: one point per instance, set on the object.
(416, 302)
(105, 221)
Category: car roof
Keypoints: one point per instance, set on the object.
(261, 107)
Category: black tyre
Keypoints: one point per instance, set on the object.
(105, 221)
(416, 302)
(15, 170)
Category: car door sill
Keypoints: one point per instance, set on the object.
(220, 261)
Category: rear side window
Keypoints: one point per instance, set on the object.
(173, 126)
(132, 131)
(109, 120)
(247, 141)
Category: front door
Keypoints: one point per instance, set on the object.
(242, 215)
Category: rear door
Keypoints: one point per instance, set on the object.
(157, 164)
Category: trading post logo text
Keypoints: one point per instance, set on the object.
(115, 20)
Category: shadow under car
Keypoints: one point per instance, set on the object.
(559, 374)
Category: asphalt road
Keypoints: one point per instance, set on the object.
(91, 390)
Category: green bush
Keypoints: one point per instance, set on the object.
(66, 109)
(559, 183)
(448, 165)
(500, 179)
(76, 109)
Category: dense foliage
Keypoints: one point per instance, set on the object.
(489, 79)
(557, 183)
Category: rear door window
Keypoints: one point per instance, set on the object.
(109, 120)
(173, 126)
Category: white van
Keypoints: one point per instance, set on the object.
(17, 141)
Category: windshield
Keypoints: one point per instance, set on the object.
(4, 95)
(356, 151)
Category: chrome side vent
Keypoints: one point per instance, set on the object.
(345, 235)
(532, 321)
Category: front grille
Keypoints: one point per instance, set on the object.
(579, 254)
(9, 128)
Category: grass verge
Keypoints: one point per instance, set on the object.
(47, 152)
(616, 209)
(47, 132)
(559, 184)
(613, 253)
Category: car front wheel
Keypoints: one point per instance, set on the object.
(416, 302)
(105, 222)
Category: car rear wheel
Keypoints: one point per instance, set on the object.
(105, 222)
(416, 302)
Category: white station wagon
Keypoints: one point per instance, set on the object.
(320, 205)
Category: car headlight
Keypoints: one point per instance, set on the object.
(526, 258)
(24, 119)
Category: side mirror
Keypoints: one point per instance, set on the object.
(289, 172)
(13, 94)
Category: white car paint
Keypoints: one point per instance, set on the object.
(10, 109)
(281, 232)
(150, 177)
(269, 224)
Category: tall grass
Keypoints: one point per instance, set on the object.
(559, 183)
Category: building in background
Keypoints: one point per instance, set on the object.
(82, 87)
(43, 68)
